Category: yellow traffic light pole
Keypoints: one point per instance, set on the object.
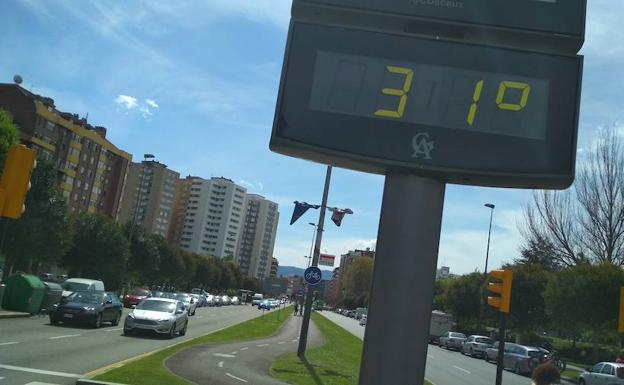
(14, 185)
(502, 302)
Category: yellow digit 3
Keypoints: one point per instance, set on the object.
(401, 93)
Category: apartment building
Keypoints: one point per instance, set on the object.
(274, 267)
(91, 169)
(148, 196)
(180, 203)
(214, 217)
(257, 241)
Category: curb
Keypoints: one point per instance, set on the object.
(86, 381)
(5, 314)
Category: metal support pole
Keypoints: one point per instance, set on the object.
(482, 300)
(311, 245)
(401, 297)
(501, 349)
(303, 337)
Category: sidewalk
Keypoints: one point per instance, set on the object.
(12, 314)
(240, 362)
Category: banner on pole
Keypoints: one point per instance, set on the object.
(326, 260)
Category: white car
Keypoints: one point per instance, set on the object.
(235, 301)
(189, 302)
(159, 315)
(81, 284)
(363, 319)
(603, 373)
(452, 340)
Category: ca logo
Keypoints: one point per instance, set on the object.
(422, 146)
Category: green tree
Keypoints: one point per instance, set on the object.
(252, 284)
(144, 260)
(172, 265)
(8, 136)
(99, 250)
(42, 235)
(528, 311)
(357, 282)
(585, 298)
(462, 299)
(539, 251)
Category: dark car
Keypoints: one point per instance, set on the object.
(136, 296)
(88, 307)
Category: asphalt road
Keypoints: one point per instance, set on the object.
(240, 362)
(444, 367)
(34, 352)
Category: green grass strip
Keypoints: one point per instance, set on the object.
(337, 362)
(150, 370)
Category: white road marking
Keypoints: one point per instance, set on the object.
(66, 336)
(40, 383)
(113, 330)
(262, 345)
(234, 352)
(39, 371)
(220, 364)
(293, 340)
(245, 348)
(223, 355)
(8, 343)
(462, 369)
(236, 378)
(281, 342)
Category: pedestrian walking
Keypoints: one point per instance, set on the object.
(301, 310)
(546, 374)
(296, 308)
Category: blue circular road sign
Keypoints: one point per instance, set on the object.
(313, 275)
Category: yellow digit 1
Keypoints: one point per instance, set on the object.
(401, 93)
(524, 98)
(476, 96)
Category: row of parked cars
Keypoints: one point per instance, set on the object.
(519, 358)
(361, 314)
(197, 298)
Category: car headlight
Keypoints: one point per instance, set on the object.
(88, 308)
(163, 320)
(130, 317)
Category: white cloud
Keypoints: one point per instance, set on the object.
(126, 101)
(151, 103)
(145, 111)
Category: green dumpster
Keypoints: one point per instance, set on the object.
(23, 292)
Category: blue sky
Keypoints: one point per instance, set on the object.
(195, 83)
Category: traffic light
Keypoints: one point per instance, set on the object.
(503, 290)
(15, 180)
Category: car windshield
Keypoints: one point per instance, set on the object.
(139, 292)
(163, 306)
(74, 286)
(458, 335)
(484, 340)
(183, 297)
(86, 297)
(534, 353)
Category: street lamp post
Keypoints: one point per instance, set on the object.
(487, 257)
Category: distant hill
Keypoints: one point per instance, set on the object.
(293, 270)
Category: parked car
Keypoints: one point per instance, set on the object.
(225, 300)
(158, 315)
(189, 302)
(363, 319)
(603, 373)
(90, 307)
(491, 353)
(521, 359)
(157, 294)
(440, 324)
(217, 300)
(235, 301)
(274, 303)
(135, 296)
(452, 340)
(476, 345)
(81, 284)
(199, 299)
(210, 300)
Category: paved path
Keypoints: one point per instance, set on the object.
(240, 362)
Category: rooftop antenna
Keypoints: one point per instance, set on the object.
(18, 79)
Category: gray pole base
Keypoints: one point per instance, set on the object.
(397, 330)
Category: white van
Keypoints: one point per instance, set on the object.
(256, 299)
(79, 284)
